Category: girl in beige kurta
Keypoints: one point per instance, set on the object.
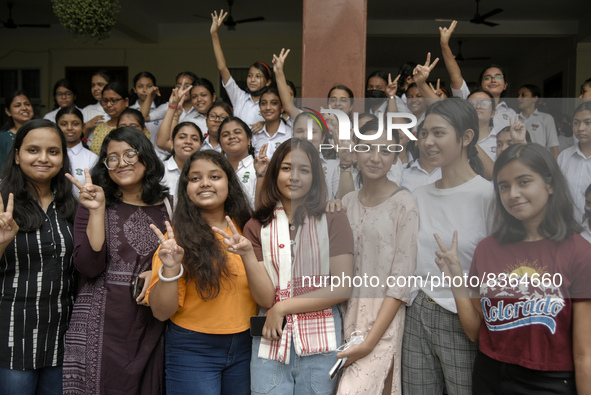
(384, 219)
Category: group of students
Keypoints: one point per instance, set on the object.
(137, 268)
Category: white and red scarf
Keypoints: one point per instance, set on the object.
(312, 332)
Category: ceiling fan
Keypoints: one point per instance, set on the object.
(477, 18)
(229, 22)
(10, 24)
(460, 58)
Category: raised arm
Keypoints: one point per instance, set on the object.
(147, 104)
(216, 22)
(453, 69)
(278, 62)
(175, 107)
(421, 74)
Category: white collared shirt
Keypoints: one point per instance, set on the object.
(207, 145)
(501, 118)
(244, 107)
(331, 175)
(171, 177)
(248, 179)
(92, 110)
(415, 176)
(384, 107)
(577, 171)
(260, 139)
(489, 145)
(197, 118)
(80, 159)
(541, 128)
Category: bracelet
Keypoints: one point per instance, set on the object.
(172, 107)
(260, 175)
(170, 279)
(346, 166)
(392, 97)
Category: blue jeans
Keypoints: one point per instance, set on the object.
(302, 376)
(43, 381)
(206, 364)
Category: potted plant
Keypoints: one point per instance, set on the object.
(87, 18)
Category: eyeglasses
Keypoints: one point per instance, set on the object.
(213, 117)
(106, 102)
(489, 78)
(130, 157)
(67, 94)
(483, 103)
(131, 125)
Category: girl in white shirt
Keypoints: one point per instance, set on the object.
(186, 140)
(260, 76)
(71, 122)
(148, 99)
(64, 94)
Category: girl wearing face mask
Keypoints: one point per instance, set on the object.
(260, 77)
(19, 110)
(64, 94)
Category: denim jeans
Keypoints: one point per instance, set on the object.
(302, 376)
(207, 364)
(43, 381)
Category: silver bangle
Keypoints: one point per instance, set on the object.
(170, 279)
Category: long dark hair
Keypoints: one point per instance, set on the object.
(462, 116)
(205, 259)
(152, 191)
(559, 222)
(26, 214)
(315, 201)
(8, 102)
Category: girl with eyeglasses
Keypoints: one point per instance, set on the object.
(64, 94)
(114, 99)
(492, 79)
(114, 344)
(218, 112)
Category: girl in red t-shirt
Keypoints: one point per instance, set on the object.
(533, 312)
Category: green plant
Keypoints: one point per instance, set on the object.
(88, 18)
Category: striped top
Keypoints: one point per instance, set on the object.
(36, 294)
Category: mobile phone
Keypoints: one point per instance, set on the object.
(138, 285)
(257, 323)
(337, 366)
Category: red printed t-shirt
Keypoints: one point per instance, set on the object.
(228, 313)
(524, 324)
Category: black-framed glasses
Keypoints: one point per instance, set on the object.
(214, 117)
(489, 78)
(112, 102)
(67, 94)
(131, 157)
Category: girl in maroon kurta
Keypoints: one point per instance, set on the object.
(114, 344)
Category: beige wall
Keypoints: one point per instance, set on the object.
(184, 47)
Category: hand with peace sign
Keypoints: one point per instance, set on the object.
(8, 228)
(279, 61)
(91, 196)
(237, 244)
(392, 86)
(517, 131)
(438, 92)
(448, 260)
(261, 161)
(217, 21)
(171, 254)
(421, 72)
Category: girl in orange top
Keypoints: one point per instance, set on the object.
(201, 287)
